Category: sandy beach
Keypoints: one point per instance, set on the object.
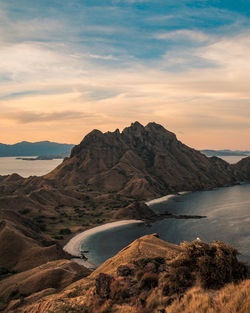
(73, 246)
(165, 198)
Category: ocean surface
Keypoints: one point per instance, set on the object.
(228, 219)
(232, 159)
(10, 165)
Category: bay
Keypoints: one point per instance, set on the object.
(10, 165)
(228, 219)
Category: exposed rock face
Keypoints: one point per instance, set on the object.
(144, 162)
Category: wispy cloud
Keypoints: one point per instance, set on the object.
(25, 117)
(183, 34)
(80, 64)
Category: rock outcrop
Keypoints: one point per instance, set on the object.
(136, 210)
(143, 162)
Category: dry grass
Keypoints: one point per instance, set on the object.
(230, 299)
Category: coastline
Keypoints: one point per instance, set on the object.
(165, 198)
(73, 246)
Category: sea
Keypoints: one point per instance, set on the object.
(10, 165)
(227, 212)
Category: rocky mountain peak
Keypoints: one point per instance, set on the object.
(143, 162)
(135, 129)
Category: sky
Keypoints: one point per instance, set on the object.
(69, 66)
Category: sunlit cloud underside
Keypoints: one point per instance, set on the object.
(68, 68)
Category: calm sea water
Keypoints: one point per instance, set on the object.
(228, 219)
(10, 165)
(232, 159)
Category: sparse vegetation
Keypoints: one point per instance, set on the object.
(24, 211)
(156, 284)
(148, 281)
(210, 265)
(70, 309)
(65, 231)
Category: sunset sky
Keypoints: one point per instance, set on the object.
(68, 66)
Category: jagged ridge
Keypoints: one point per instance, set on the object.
(144, 162)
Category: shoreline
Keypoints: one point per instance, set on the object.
(165, 198)
(72, 247)
(74, 244)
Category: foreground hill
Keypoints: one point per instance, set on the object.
(149, 276)
(26, 148)
(143, 162)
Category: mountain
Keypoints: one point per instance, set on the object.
(25, 148)
(225, 152)
(243, 166)
(143, 162)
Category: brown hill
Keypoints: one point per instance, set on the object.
(148, 246)
(243, 166)
(23, 248)
(56, 274)
(136, 210)
(151, 276)
(143, 162)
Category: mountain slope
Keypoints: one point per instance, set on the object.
(151, 276)
(143, 162)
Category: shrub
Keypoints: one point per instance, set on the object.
(211, 265)
(149, 281)
(118, 292)
(141, 263)
(65, 231)
(177, 281)
(24, 211)
(4, 271)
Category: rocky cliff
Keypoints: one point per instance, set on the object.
(143, 162)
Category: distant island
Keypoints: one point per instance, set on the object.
(43, 157)
(41, 148)
(225, 152)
